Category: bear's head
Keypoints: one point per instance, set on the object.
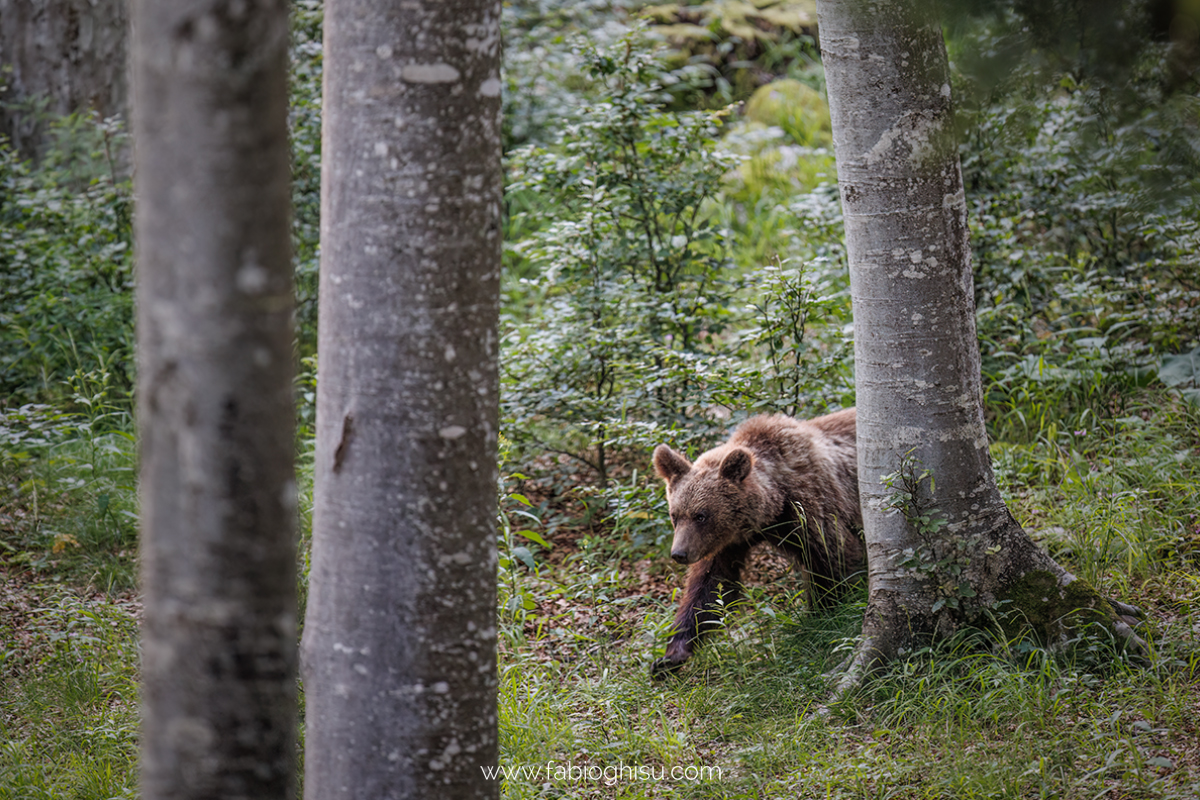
(712, 502)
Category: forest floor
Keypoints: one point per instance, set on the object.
(580, 715)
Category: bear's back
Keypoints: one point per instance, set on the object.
(805, 459)
(779, 437)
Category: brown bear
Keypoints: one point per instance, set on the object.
(789, 482)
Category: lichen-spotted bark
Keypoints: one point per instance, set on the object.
(215, 403)
(399, 640)
(917, 365)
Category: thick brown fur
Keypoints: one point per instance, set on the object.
(789, 482)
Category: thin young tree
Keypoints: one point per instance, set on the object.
(399, 643)
(944, 552)
(215, 399)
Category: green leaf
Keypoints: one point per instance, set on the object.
(534, 537)
(1178, 370)
(525, 556)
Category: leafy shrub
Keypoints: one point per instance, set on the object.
(795, 311)
(629, 320)
(1085, 264)
(632, 284)
(544, 80)
(66, 265)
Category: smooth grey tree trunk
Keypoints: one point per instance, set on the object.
(70, 53)
(399, 647)
(215, 399)
(919, 396)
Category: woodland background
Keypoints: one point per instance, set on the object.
(674, 263)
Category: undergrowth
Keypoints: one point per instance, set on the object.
(1114, 497)
(746, 718)
(68, 499)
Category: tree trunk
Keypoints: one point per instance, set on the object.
(943, 549)
(72, 53)
(399, 649)
(215, 400)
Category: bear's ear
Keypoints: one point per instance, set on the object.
(736, 465)
(670, 465)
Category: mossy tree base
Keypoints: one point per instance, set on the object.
(1020, 594)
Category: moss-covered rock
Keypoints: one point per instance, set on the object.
(796, 107)
(748, 21)
(747, 42)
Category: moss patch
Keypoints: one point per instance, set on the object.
(795, 107)
(1035, 604)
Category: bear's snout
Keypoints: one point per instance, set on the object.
(686, 547)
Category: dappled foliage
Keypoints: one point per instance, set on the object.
(628, 321)
(66, 268)
(629, 274)
(1080, 155)
(304, 123)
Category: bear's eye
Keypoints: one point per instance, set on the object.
(700, 518)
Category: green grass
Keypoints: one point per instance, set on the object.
(1115, 502)
(68, 618)
(1115, 498)
(68, 696)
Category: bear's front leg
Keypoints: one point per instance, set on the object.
(712, 583)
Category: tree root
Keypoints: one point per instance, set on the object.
(853, 671)
(1127, 618)
(1131, 615)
